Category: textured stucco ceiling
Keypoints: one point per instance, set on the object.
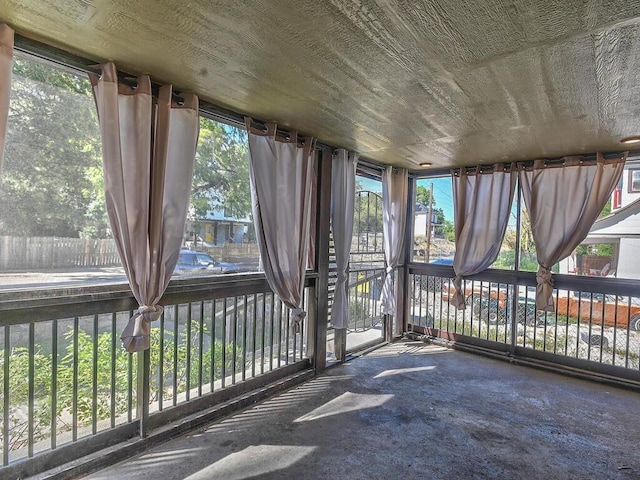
(401, 81)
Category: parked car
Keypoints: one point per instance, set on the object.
(197, 263)
(607, 310)
(443, 261)
(493, 311)
(431, 282)
(474, 291)
(597, 308)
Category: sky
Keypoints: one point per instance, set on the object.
(442, 194)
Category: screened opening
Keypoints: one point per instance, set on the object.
(220, 223)
(53, 224)
(54, 229)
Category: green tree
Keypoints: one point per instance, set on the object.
(221, 172)
(449, 231)
(367, 213)
(423, 197)
(52, 155)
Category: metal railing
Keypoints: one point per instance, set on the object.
(594, 326)
(365, 319)
(365, 287)
(68, 381)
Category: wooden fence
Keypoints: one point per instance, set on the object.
(21, 253)
(232, 252)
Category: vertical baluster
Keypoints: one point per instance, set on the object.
(448, 327)
(416, 297)
(300, 336)
(604, 303)
(535, 329)
(94, 380)
(188, 355)
(213, 343)
(161, 363)
(579, 319)
(303, 326)
(280, 308)
(5, 399)
(615, 331)
(264, 331)
(31, 399)
(254, 321)
(430, 303)
(113, 368)
(509, 320)
(555, 326)
(234, 346)
(244, 339)
(130, 382)
(272, 325)
(356, 310)
(626, 362)
(176, 340)
(287, 331)
(54, 383)
(200, 348)
(224, 342)
(566, 323)
(74, 408)
(590, 325)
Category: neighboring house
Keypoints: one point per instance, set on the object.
(421, 220)
(621, 228)
(218, 227)
(628, 189)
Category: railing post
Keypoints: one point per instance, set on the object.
(516, 266)
(323, 202)
(340, 344)
(312, 321)
(403, 310)
(143, 390)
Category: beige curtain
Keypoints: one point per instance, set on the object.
(313, 213)
(343, 192)
(563, 202)
(395, 190)
(6, 65)
(482, 203)
(148, 147)
(281, 176)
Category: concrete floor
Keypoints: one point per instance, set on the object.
(414, 411)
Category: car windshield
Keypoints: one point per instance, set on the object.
(186, 259)
(204, 259)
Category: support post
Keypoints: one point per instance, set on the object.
(323, 218)
(516, 288)
(402, 279)
(340, 344)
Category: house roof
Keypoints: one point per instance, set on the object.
(624, 222)
(401, 82)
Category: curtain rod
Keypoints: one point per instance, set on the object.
(445, 172)
(72, 63)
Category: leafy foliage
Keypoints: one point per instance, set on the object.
(367, 213)
(52, 182)
(109, 368)
(221, 173)
(423, 197)
(53, 145)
